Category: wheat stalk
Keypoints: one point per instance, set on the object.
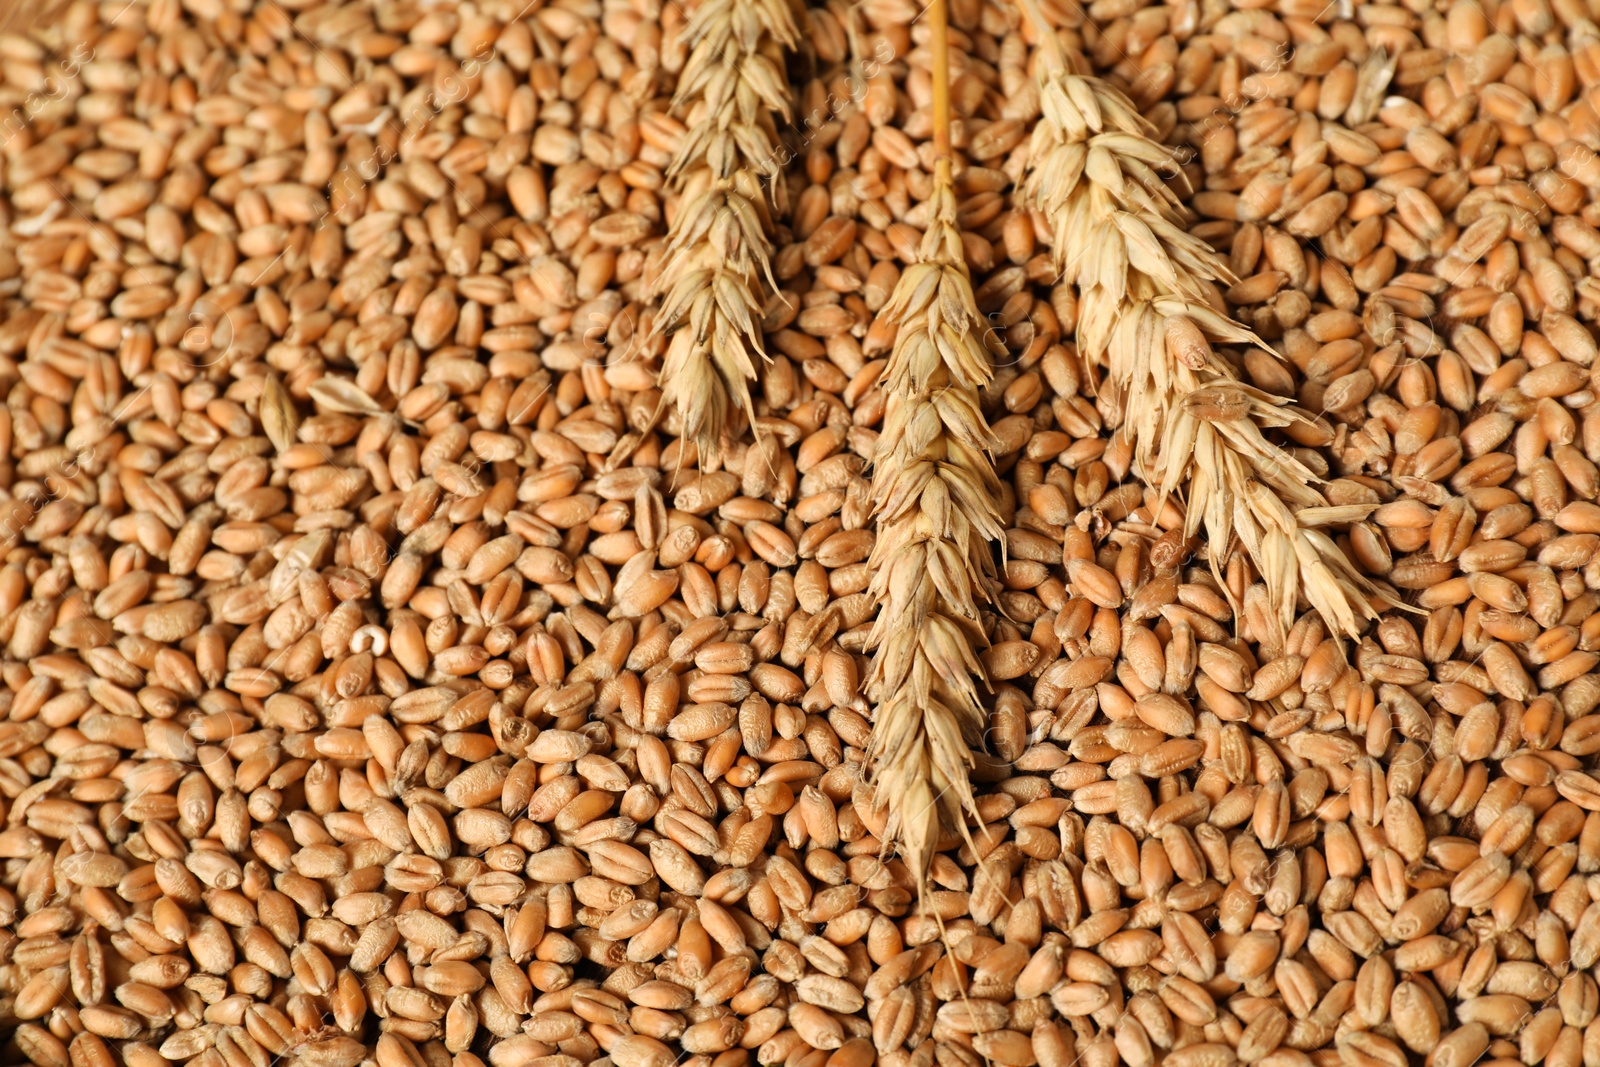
(1148, 311)
(717, 248)
(934, 491)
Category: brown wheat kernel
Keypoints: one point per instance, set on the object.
(308, 401)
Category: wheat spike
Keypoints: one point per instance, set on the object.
(1148, 311)
(934, 489)
(718, 249)
(22, 18)
(934, 493)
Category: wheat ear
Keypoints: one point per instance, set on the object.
(718, 248)
(934, 491)
(20, 18)
(1148, 311)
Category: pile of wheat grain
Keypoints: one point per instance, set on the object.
(382, 683)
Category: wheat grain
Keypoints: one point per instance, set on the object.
(279, 420)
(366, 720)
(1148, 312)
(718, 249)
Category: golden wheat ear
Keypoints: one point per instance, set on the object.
(731, 93)
(934, 494)
(1145, 285)
(18, 16)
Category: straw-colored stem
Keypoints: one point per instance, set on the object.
(939, 22)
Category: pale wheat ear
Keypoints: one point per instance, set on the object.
(934, 492)
(1146, 290)
(19, 17)
(718, 250)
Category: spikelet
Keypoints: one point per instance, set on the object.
(1146, 311)
(934, 490)
(718, 250)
